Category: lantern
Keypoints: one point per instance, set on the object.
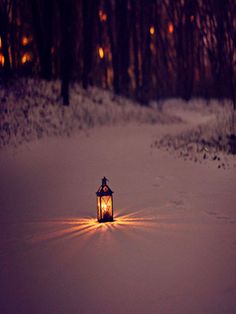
(104, 202)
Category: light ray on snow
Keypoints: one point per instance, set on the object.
(71, 227)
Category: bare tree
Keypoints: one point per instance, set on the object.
(42, 12)
(5, 9)
(90, 12)
(122, 46)
(66, 18)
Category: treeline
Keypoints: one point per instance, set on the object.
(142, 49)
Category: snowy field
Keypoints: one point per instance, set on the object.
(171, 248)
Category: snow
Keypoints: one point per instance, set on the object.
(171, 248)
(32, 109)
(207, 133)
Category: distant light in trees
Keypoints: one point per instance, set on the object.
(171, 28)
(2, 59)
(102, 16)
(25, 40)
(101, 52)
(26, 58)
(192, 18)
(152, 30)
(0, 42)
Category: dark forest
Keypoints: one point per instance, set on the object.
(140, 49)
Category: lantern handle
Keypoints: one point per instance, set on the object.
(104, 181)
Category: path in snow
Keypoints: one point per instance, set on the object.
(171, 248)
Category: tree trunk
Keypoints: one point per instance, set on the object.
(42, 24)
(146, 52)
(114, 52)
(90, 12)
(66, 18)
(4, 31)
(122, 46)
(135, 47)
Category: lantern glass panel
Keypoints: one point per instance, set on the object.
(99, 208)
(106, 208)
(104, 202)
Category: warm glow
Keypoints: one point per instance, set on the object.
(102, 16)
(25, 41)
(0, 42)
(69, 228)
(104, 204)
(171, 28)
(152, 30)
(26, 58)
(2, 59)
(101, 52)
(192, 18)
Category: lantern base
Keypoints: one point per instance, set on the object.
(105, 219)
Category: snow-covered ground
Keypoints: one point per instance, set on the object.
(32, 109)
(171, 248)
(209, 133)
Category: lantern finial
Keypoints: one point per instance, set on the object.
(104, 181)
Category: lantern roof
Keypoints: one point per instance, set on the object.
(104, 189)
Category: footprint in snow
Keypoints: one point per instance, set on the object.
(160, 179)
(176, 204)
(211, 213)
(223, 217)
(220, 217)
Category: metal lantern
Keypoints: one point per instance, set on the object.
(104, 202)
